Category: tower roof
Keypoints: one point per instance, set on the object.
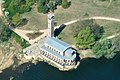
(50, 16)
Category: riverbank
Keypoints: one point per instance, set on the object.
(86, 54)
(10, 55)
(6, 56)
(94, 69)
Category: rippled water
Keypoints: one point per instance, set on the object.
(89, 69)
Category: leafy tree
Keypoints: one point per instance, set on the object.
(104, 48)
(18, 6)
(45, 9)
(117, 43)
(5, 32)
(85, 39)
(17, 19)
(58, 2)
(52, 6)
(66, 4)
(22, 1)
(11, 9)
(40, 7)
(78, 26)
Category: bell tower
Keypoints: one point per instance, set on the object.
(50, 25)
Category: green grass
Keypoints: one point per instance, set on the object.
(110, 28)
(36, 21)
(65, 35)
(78, 8)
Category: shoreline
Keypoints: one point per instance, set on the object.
(18, 61)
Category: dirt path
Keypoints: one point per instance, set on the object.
(112, 36)
(104, 18)
(23, 33)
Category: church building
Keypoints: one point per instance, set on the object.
(56, 51)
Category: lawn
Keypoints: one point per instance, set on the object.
(110, 28)
(38, 21)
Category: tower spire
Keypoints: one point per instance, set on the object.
(50, 25)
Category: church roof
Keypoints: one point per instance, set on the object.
(57, 44)
(56, 54)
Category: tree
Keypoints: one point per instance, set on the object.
(42, 6)
(66, 4)
(5, 32)
(104, 48)
(80, 25)
(45, 9)
(17, 19)
(117, 43)
(52, 6)
(85, 39)
(58, 2)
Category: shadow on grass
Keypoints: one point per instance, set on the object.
(59, 30)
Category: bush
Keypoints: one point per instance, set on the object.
(66, 4)
(17, 19)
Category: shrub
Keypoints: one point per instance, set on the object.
(66, 4)
(17, 19)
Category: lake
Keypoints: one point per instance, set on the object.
(89, 69)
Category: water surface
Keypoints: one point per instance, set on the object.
(89, 69)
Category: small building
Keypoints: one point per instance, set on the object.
(53, 50)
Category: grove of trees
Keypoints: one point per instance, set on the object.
(104, 48)
(14, 8)
(45, 6)
(86, 33)
(17, 7)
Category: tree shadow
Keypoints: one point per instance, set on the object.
(77, 58)
(24, 22)
(59, 30)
